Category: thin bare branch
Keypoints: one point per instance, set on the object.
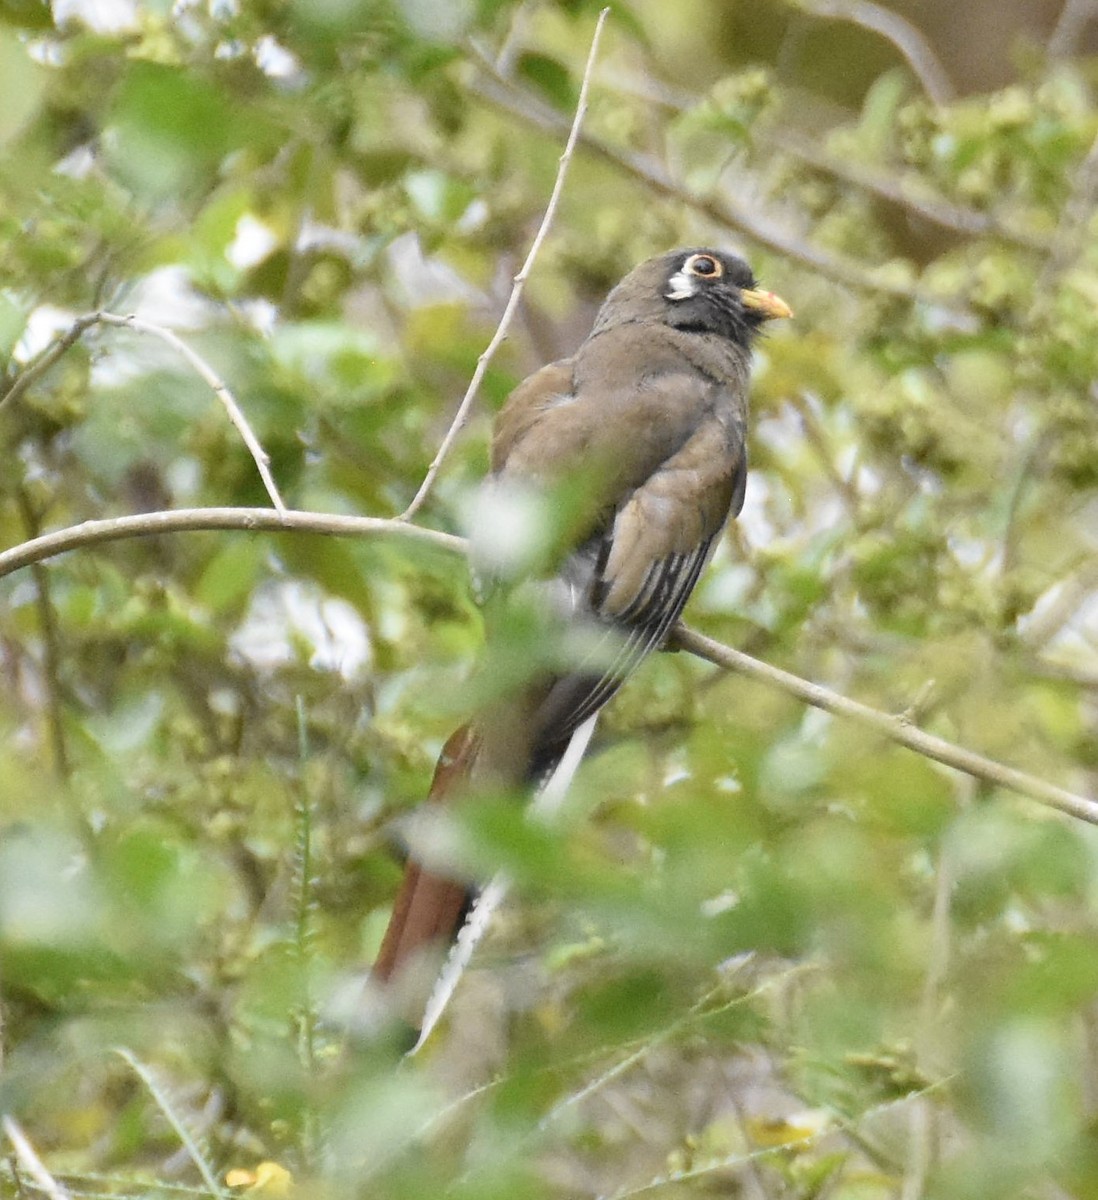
(30, 1161)
(1081, 676)
(462, 413)
(1073, 591)
(201, 367)
(908, 40)
(896, 729)
(113, 529)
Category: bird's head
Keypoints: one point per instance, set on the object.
(698, 290)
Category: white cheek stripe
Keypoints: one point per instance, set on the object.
(680, 286)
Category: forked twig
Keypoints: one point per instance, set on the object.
(201, 367)
(519, 282)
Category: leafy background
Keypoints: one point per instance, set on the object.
(766, 954)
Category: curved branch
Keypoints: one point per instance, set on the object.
(184, 520)
(201, 367)
(216, 384)
(907, 39)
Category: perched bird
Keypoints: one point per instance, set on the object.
(650, 411)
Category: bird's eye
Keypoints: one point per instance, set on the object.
(705, 266)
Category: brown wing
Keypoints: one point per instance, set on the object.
(641, 571)
(526, 407)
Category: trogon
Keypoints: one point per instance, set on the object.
(650, 414)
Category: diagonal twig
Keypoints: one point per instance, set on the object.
(896, 729)
(1072, 21)
(910, 193)
(41, 364)
(158, 1094)
(466, 404)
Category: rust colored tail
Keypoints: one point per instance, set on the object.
(429, 909)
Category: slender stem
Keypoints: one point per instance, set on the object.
(51, 643)
(921, 1124)
(519, 282)
(186, 1138)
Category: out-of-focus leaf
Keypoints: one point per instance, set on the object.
(21, 84)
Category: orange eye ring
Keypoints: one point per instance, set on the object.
(704, 266)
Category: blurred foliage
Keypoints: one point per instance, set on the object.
(764, 954)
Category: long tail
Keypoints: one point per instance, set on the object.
(544, 807)
(433, 910)
(429, 908)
